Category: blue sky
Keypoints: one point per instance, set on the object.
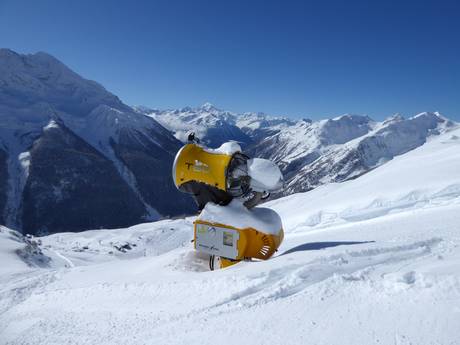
(312, 59)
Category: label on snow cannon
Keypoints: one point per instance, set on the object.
(216, 240)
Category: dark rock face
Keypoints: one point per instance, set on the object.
(72, 187)
(216, 136)
(151, 166)
(327, 167)
(3, 184)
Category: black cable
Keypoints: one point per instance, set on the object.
(211, 262)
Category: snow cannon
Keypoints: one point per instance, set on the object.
(227, 185)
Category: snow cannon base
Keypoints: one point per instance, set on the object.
(232, 244)
(255, 233)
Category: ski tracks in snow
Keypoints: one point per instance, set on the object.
(125, 311)
(23, 285)
(291, 279)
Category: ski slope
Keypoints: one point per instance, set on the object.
(375, 260)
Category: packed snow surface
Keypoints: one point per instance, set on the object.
(228, 148)
(265, 175)
(375, 260)
(236, 214)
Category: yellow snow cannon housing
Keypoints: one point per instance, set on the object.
(194, 164)
(221, 183)
(232, 244)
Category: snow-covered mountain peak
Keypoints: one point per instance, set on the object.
(181, 110)
(394, 118)
(429, 115)
(306, 120)
(34, 78)
(433, 121)
(49, 62)
(40, 65)
(7, 53)
(47, 57)
(351, 118)
(433, 117)
(52, 124)
(344, 128)
(209, 107)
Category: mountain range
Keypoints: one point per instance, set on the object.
(73, 156)
(310, 153)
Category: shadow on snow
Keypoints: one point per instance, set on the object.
(322, 245)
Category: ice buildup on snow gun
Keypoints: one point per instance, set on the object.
(227, 185)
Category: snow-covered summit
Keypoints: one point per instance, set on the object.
(209, 107)
(39, 77)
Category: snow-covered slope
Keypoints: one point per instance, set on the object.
(68, 144)
(367, 261)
